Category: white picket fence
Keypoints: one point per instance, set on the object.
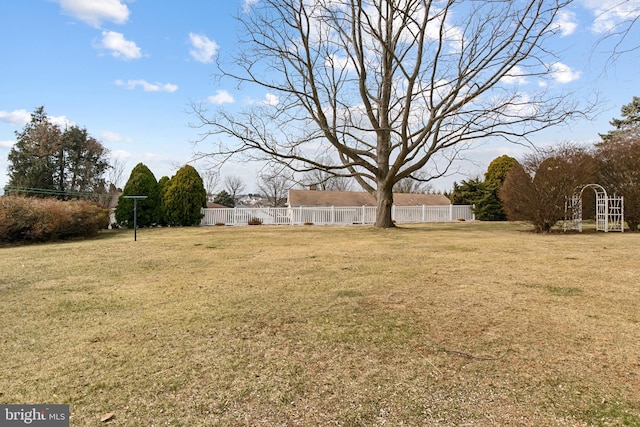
(335, 215)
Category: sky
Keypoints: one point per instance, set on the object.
(128, 71)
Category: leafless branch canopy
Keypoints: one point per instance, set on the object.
(274, 185)
(234, 185)
(384, 87)
(617, 19)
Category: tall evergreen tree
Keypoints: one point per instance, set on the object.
(184, 198)
(85, 160)
(31, 163)
(163, 184)
(59, 162)
(141, 182)
(483, 195)
(630, 120)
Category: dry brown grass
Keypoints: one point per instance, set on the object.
(443, 324)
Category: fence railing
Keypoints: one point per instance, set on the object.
(334, 215)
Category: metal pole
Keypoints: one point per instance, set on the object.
(135, 214)
(135, 220)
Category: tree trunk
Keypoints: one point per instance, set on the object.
(384, 197)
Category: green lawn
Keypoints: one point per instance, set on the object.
(440, 324)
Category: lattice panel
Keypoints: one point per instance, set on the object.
(609, 210)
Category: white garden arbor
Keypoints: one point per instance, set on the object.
(609, 210)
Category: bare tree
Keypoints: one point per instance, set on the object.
(388, 87)
(416, 183)
(234, 186)
(210, 179)
(340, 183)
(115, 173)
(323, 180)
(274, 185)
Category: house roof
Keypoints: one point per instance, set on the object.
(211, 205)
(354, 198)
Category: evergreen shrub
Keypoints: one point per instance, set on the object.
(141, 182)
(184, 197)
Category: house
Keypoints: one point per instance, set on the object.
(313, 198)
(212, 205)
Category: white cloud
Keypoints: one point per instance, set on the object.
(16, 117)
(93, 12)
(246, 7)
(562, 73)
(146, 86)
(515, 76)
(121, 154)
(221, 97)
(203, 49)
(7, 144)
(61, 121)
(270, 100)
(567, 23)
(520, 106)
(119, 46)
(22, 117)
(609, 14)
(107, 135)
(338, 62)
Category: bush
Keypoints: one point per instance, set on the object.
(255, 221)
(39, 220)
(184, 197)
(618, 159)
(536, 189)
(483, 195)
(225, 199)
(141, 182)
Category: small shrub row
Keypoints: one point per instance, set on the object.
(28, 219)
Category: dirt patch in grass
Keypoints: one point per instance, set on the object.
(440, 324)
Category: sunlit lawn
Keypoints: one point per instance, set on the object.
(439, 324)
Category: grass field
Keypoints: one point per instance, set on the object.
(481, 324)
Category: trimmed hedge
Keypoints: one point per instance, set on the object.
(28, 219)
(142, 182)
(184, 197)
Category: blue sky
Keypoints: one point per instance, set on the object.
(128, 71)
